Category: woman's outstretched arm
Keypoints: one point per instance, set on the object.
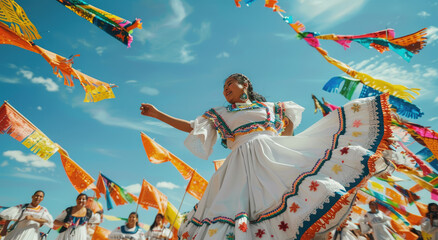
(151, 111)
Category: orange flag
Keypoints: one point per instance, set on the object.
(158, 154)
(78, 177)
(152, 197)
(395, 196)
(432, 144)
(13, 123)
(218, 164)
(95, 89)
(100, 187)
(101, 233)
(197, 186)
(403, 230)
(422, 208)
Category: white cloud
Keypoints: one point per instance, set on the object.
(106, 152)
(134, 188)
(50, 85)
(29, 160)
(412, 76)
(235, 40)
(433, 119)
(167, 185)
(423, 14)
(327, 13)
(436, 100)
(432, 34)
(286, 36)
(9, 80)
(33, 177)
(26, 169)
(131, 81)
(84, 42)
(100, 50)
(167, 40)
(149, 91)
(103, 116)
(4, 164)
(39, 108)
(223, 55)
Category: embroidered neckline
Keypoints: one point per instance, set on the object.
(124, 230)
(243, 106)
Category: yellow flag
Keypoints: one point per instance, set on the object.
(171, 216)
(13, 13)
(41, 145)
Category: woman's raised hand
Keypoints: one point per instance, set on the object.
(148, 110)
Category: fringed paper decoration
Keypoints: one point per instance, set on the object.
(410, 196)
(40, 144)
(62, 67)
(173, 217)
(115, 26)
(384, 40)
(78, 177)
(197, 186)
(152, 197)
(18, 127)
(14, 14)
(424, 168)
(426, 155)
(412, 43)
(403, 230)
(403, 107)
(348, 87)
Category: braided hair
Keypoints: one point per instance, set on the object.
(252, 95)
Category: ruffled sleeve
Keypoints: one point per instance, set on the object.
(293, 111)
(46, 216)
(61, 216)
(11, 213)
(202, 138)
(116, 234)
(95, 218)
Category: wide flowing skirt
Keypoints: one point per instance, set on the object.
(293, 187)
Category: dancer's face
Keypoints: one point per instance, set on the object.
(37, 198)
(159, 220)
(81, 201)
(132, 220)
(233, 90)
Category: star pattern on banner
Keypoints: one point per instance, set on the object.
(357, 123)
(243, 227)
(355, 107)
(344, 150)
(283, 226)
(356, 134)
(260, 233)
(185, 236)
(230, 236)
(212, 232)
(294, 207)
(314, 186)
(337, 168)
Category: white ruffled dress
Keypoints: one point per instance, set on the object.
(285, 187)
(26, 229)
(123, 232)
(78, 231)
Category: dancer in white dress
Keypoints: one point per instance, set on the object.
(429, 225)
(130, 230)
(274, 185)
(73, 220)
(379, 223)
(157, 231)
(28, 219)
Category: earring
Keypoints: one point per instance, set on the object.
(243, 97)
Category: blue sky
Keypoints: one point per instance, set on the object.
(178, 62)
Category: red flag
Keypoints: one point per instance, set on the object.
(152, 197)
(13, 123)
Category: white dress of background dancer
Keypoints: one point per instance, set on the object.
(26, 229)
(123, 232)
(78, 231)
(379, 224)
